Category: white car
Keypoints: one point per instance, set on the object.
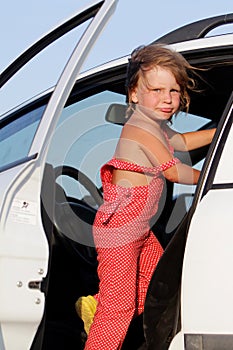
(51, 149)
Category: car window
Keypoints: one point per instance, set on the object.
(16, 136)
(32, 79)
(185, 122)
(222, 174)
(182, 195)
(85, 140)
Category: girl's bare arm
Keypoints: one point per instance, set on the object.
(190, 140)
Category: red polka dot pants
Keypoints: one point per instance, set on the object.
(126, 271)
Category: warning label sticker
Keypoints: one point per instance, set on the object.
(23, 211)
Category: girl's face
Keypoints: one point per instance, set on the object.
(158, 92)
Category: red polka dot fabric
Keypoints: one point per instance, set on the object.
(128, 252)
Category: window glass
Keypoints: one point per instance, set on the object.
(85, 140)
(41, 72)
(185, 122)
(16, 136)
(224, 169)
(183, 194)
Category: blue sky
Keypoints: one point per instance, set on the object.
(134, 23)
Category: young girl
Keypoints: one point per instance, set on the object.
(128, 252)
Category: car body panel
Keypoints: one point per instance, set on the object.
(208, 42)
(204, 273)
(24, 255)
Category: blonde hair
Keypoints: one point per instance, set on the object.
(146, 57)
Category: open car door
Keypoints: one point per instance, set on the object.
(24, 247)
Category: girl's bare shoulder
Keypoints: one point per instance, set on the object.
(142, 130)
